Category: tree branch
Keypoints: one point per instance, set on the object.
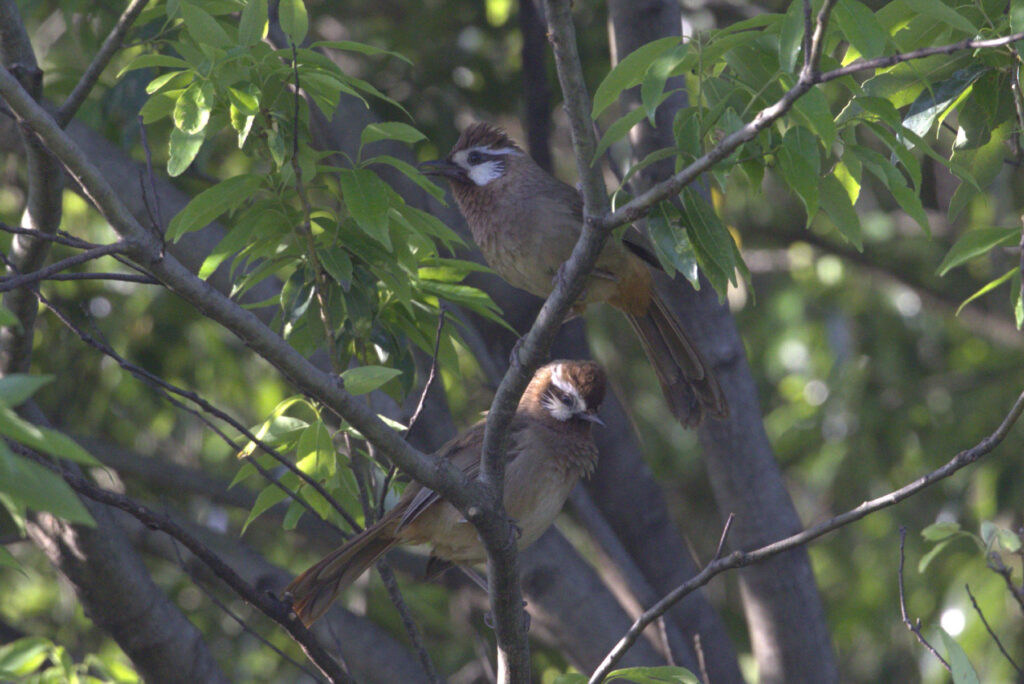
(914, 626)
(13, 282)
(110, 46)
(738, 559)
(278, 611)
(146, 248)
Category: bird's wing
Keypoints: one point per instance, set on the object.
(464, 453)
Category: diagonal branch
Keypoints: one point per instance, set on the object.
(92, 74)
(13, 282)
(146, 248)
(276, 610)
(738, 559)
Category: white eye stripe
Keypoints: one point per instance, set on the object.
(503, 150)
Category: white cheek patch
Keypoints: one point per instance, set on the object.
(484, 173)
(556, 407)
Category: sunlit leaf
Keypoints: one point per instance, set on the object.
(628, 73)
(211, 203)
(975, 243)
(367, 378)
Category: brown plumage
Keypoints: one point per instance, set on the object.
(526, 223)
(550, 448)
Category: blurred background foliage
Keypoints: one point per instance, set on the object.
(867, 378)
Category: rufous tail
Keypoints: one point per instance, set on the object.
(313, 591)
(690, 387)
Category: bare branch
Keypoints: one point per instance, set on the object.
(914, 626)
(13, 282)
(110, 46)
(992, 634)
(738, 559)
(146, 248)
(276, 610)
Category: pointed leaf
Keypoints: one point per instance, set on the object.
(988, 287)
(183, 149)
(211, 203)
(962, 670)
(42, 439)
(17, 387)
(390, 130)
(365, 379)
(40, 488)
(294, 20)
(836, 203)
(861, 28)
(203, 27)
(628, 73)
(940, 530)
(253, 23)
(352, 46)
(653, 85)
(366, 197)
(975, 243)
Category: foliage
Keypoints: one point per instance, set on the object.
(36, 660)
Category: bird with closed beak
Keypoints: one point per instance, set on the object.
(550, 448)
(526, 223)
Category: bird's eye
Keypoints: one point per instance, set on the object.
(474, 157)
(566, 399)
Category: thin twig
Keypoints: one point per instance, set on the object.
(306, 230)
(169, 390)
(277, 610)
(914, 626)
(14, 282)
(155, 215)
(92, 73)
(996, 565)
(738, 559)
(121, 277)
(992, 634)
(392, 471)
(232, 614)
(60, 237)
(702, 665)
(395, 594)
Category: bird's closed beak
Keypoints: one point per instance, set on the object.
(592, 417)
(443, 167)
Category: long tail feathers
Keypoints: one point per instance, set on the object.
(313, 591)
(690, 387)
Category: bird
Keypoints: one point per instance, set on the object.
(550, 449)
(526, 222)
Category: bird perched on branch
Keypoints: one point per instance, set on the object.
(550, 447)
(527, 222)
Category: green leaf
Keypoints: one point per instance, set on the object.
(1009, 540)
(211, 203)
(927, 558)
(159, 105)
(962, 670)
(663, 674)
(270, 496)
(39, 488)
(390, 130)
(17, 387)
(411, 172)
(42, 439)
(932, 103)
(813, 107)
(24, 656)
(192, 110)
(943, 13)
(985, 289)
(203, 27)
(253, 22)
(861, 28)
(366, 197)
(294, 20)
(653, 85)
(800, 163)
(940, 530)
(629, 72)
(363, 48)
(975, 243)
(247, 103)
(836, 202)
(183, 150)
(151, 60)
(172, 79)
(791, 35)
(365, 379)
(672, 246)
(618, 130)
(709, 237)
(337, 263)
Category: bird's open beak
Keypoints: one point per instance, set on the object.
(592, 417)
(443, 167)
